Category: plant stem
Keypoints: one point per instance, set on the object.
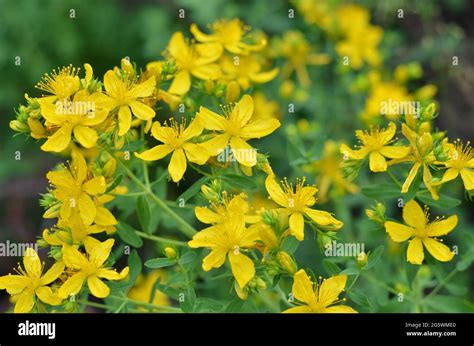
(185, 227)
(394, 178)
(353, 282)
(147, 305)
(161, 239)
(442, 283)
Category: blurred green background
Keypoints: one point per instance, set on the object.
(44, 36)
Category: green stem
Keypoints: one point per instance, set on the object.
(144, 165)
(353, 282)
(394, 178)
(161, 239)
(441, 284)
(185, 227)
(147, 305)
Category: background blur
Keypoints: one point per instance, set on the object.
(43, 36)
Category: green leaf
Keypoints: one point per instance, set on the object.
(193, 189)
(208, 305)
(444, 201)
(331, 267)
(116, 183)
(235, 305)
(442, 303)
(380, 191)
(133, 146)
(239, 181)
(128, 234)
(159, 263)
(410, 271)
(290, 244)
(374, 257)
(350, 271)
(188, 300)
(144, 213)
(359, 298)
(188, 260)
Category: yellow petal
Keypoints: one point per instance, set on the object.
(450, 174)
(177, 165)
(352, 154)
(124, 120)
(25, 302)
(112, 84)
(181, 83)
(86, 208)
(104, 217)
(144, 89)
(206, 71)
(86, 136)
(264, 77)
(141, 110)
(415, 253)
(411, 177)
(468, 178)
(79, 166)
(243, 152)
(388, 134)
(303, 288)
(377, 162)
(46, 295)
(194, 129)
(97, 287)
(196, 153)
(394, 152)
(53, 273)
(60, 140)
(275, 191)
(155, 153)
(215, 259)
(211, 120)
(205, 215)
(216, 144)
(113, 274)
(244, 110)
(438, 250)
(242, 267)
(330, 289)
(398, 232)
(14, 284)
(199, 35)
(413, 215)
(32, 263)
(323, 218)
(259, 128)
(95, 186)
(439, 228)
(73, 258)
(101, 252)
(297, 226)
(72, 285)
(340, 309)
(298, 310)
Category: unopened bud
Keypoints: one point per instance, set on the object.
(232, 92)
(286, 262)
(170, 252)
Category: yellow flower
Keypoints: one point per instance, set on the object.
(247, 70)
(375, 143)
(389, 93)
(229, 239)
(329, 173)
(62, 83)
(421, 154)
(297, 50)
(236, 127)
(178, 140)
(361, 40)
(296, 203)
(318, 298)
(127, 95)
(73, 118)
(31, 282)
(143, 289)
(422, 233)
(197, 60)
(229, 34)
(90, 268)
(263, 108)
(219, 213)
(460, 162)
(75, 188)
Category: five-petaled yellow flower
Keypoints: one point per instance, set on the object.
(177, 139)
(236, 127)
(195, 59)
(229, 239)
(229, 34)
(61, 83)
(31, 282)
(461, 162)
(246, 72)
(73, 118)
(422, 233)
(125, 94)
(318, 298)
(296, 203)
(90, 268)
(75, 190)
(375, 143)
